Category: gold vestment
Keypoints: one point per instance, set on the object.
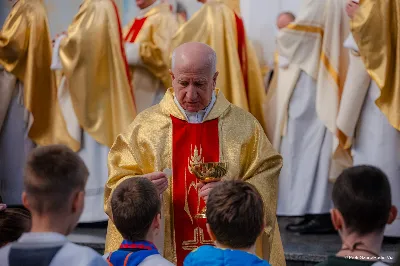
(93, 62)
(376, 30)
(25, 52)
(147, 147)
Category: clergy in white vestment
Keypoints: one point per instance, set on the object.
(370, 107)
(271, 101)
(313, 65)
(95, 94)
(147, 42)
(29, 113)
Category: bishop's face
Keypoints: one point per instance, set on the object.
(193, 86)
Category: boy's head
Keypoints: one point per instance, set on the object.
(235, 214)
(362, 201)
(13, 223)
(55, 179)
(136, 206)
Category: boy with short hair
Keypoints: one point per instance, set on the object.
(55, 179)
(362, 207)
(136, 206)
(235, 218)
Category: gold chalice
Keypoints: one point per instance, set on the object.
(207, 173)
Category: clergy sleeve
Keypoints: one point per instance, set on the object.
(122, 165)
(155, 53)
(263, 167)
(376, 31)
(14, 45)
(132, 54)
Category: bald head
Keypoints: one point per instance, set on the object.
(194, 55)
(194, 75)
(284, 19)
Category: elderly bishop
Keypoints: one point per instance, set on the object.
(240, 79)
(195, 123)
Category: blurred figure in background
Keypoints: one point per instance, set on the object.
(29, 112)
(95, 92)
(147, 42)
(312, 50)
(271, 102)
(369, 113)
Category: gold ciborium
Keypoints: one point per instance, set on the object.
(207, 173)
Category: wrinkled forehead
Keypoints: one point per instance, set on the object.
(193, 63)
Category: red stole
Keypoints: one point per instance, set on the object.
(241, 39)
(191, 143)
(135, 29)
(128, 74)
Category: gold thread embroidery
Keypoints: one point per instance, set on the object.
(198, 240)
(186, 208)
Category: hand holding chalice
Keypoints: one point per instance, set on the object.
(207, 173)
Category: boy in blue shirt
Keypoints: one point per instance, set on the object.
(136, 207)
(235, 218)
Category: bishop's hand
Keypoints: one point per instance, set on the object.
(159, 179)
(205, 189)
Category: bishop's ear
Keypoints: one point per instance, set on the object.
(215, 78)
(171, 74)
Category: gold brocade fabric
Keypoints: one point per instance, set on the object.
(376, 30)
(147, 147)
(233, 4)
(155, 38)
(25, 52)
(92, 57)
(214, 24)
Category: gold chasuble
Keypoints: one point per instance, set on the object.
(240, 77)
(376, 30)
(160, 138)
(153, 33)
(94, 64)
(25, 52)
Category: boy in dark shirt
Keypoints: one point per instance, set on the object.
(362, 207)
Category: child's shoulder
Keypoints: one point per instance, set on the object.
(4, 251)
(83, 255)
(155, 260)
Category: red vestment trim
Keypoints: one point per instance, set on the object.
(135, 29)
(241, 38)
(128, 74)
(191, 143)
